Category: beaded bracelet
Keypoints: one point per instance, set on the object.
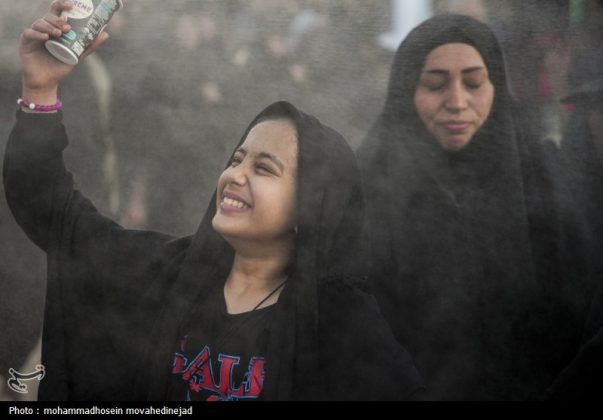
(40, 108)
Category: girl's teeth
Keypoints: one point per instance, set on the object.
(234, 203)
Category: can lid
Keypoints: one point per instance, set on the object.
(61, 52)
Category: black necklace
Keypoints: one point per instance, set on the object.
(269, 295)
(220, 337)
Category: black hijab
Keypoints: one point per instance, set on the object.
(330, 212)
(452, 250)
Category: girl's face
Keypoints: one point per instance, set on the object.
(256, 196)
(454, 95)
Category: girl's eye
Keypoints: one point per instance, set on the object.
(264, 169)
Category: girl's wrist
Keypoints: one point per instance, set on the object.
(47, 96)
(28, 106)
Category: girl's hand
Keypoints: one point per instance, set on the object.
(42, 73)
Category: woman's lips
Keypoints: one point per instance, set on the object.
(456, 127)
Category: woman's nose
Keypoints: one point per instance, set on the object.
(456, 100)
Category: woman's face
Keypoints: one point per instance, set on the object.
(256, 196)
(454, 95)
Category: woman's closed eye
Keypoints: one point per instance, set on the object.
(434, 83)
(472, 84)
(475, 80)
(436, 88)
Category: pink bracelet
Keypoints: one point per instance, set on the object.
(40, 108)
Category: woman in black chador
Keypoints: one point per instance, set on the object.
(259, 304)
(462, 233)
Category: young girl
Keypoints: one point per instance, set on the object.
(258, 304)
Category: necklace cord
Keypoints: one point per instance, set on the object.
(269, 295)
(220, 337)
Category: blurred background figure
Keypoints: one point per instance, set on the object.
(580, 173)
(200, 57)
(581, 185)
(534, 36)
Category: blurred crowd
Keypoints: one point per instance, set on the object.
(151, 115)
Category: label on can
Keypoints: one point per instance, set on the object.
(87, 18)
(81, 9)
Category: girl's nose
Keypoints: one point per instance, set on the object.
(237, 175)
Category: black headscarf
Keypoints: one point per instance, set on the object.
(452, 233)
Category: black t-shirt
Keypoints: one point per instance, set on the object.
(223, 359)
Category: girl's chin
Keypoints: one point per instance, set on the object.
(229, 230)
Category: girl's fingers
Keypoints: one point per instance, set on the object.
(57, 7)
(33, 35)
(44, 26)
(56, 21)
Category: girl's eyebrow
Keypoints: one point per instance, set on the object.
(264, 155)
